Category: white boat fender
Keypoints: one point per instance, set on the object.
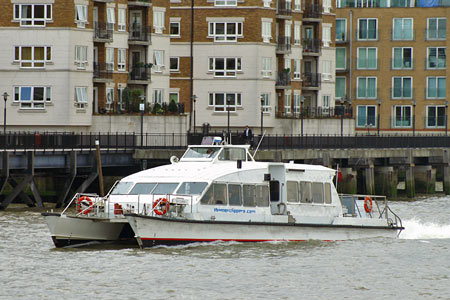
(174, 159)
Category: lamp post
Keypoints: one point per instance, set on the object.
(378, 117)
(5, 97)
(194, 99)
(262, 115)
(142, 109)
(414, 117)
(302, 100)
(342, 116)
(228, 113)
(445, 117)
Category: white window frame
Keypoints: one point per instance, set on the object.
(158, 21)
(177, 69)
(436, 116)
(31, 103)
(121, 59)
(344, 38)
(402, 58)
(297, 33)
(374, 107)
(170, 28)
(81, 15)
(81, 97)
(222, 108)
(297, 101)
(120, 100)
(367, 30)
(436, 87)
(297, 5)
(266, 102)
(225, 2)
(109, 99)
(31, 64)
(436, 29)
(326, 36)
(266, 31)
(297, 68)
(33, 22)
(326, 70)
(287, 102)
(121, 19)
(326, 6)
(345, 58)
(158, 96)
(266, 66)
(110, 59)
(158, 60)
(437, 58)
(81, 59)
(225, 37)
(225, 72)
(402, 86)
(326, 100)
(402, 116)
(366, 83)
(366, 67)
(110, 18)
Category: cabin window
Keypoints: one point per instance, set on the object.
(121, 188)
(262, 195)
(249, 195)
(220, 194)
(327, 193)
(305, 192)
(192, 188)
(292, 191)
(317, 192)
(234, 195)
(142, 188)
(208, 196)
(233, 154)
(274, 191)
(201, 152)
(164, 188)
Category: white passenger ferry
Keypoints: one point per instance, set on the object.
(219, 192)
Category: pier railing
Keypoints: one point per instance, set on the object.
(56, 141)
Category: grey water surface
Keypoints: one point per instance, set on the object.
(415, 266)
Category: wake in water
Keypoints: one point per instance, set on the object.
(416, 230)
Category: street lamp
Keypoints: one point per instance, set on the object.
(194, 99)
(445, 117)
(302, 100)
(262, 114)
(414, 117)
(378, 121)
(342, 116)
(142, 109)
(228, 112)
(5, 97)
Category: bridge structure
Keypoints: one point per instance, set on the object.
(368, 164)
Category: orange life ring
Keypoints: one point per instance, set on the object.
(368, 205)
(89, 203)
(163, 206)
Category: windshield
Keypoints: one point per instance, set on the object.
(201, 152)
(232, 154)
(122, 188)
(165, 188)
(191, 188)
(142, 188)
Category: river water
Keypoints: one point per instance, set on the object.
(415, 266)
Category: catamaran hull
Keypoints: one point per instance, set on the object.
(71, 230)
(153, 231)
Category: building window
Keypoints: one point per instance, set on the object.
(81, 15)
(158, 59)
(436, 87)
(366, 115)
(266, 31)
(402, 87)
(266, 102)
(437, 29)
(340, 88)
(158, 96)
(266, 3)
(266, 66)
(297, 5)
(109, 99)
(32, 97)
(297, 102)
(367, 29)
(341, 30)
(33, 56)
(326, 6)
(341, 59)
(436, 116)
(402, 58)
(80, 97)
(219, 101)
(326, 101)
(400, 3)
(297, 30)
(436, 58)
(174, 97)
(326, 36)
(122, 20)
(110, 18)
(225, 2)
(287, 102)
(367, 87)
(121, 59)
(225, 32)
(367, 58)
(158, 21)
(225, 66)
(33, 14)
(403, 30)
(120, 99)
(174, 64)
(402, 116)
(326, 70)
(81, 57)
(296, 68)
(174, 29)
(110, 59)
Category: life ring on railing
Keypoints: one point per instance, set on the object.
(368, 205)
(161, 206)
(82, 202)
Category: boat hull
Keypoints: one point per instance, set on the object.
(153, 231)
(72, 230)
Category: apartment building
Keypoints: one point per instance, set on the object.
(67, 60)
(391, 64)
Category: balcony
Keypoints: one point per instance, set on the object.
(311, 47)
(147, 3)
(103, 32)
(140, 74)
(312, 13)
(139, 35)
(283, 79)
(311, 80)
(284, 9)
(284, 45)
(102, 73)
(316, 112)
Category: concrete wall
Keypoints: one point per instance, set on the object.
(152, 124)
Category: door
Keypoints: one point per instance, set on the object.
(277, 189)
(136, 23)
(95, 100)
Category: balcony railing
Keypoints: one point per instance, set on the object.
(311, 46)
(403, 35)
(101, 71)
(311, 80)
(139, 33)
(103, 31)
(284, 8)
(312, 12)
(140, 73)
(284, 43)
(284, 78)
(316, 112)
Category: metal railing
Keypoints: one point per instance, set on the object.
(311, 46)
(316, 112)
(284, 8)
(284, 43)
(284, 78)
(311, 80)
(312, 12)
(101, 70)
(140, 73)
(103, 31)
(140, 33)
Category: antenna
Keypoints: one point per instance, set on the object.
(262, 137)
